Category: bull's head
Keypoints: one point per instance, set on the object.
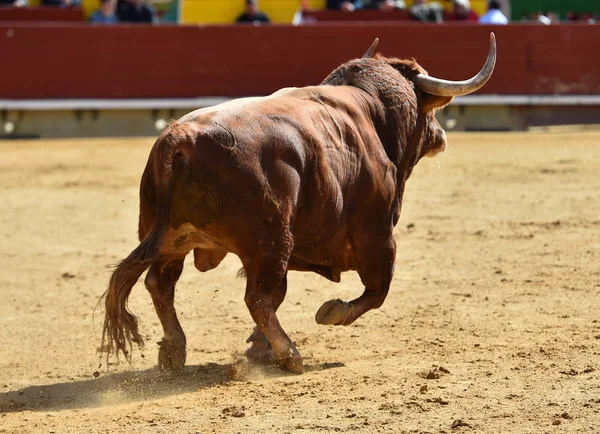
(441, 87)
(410, 97)
(434, 93)
(437, 93)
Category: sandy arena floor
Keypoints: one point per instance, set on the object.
(492, 324)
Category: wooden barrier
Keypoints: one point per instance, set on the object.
(41, 13)
(138, 61)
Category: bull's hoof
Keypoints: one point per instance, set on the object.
(263, 357)
(335, 312)
(171, 356)
(260, 353)
(266, 356)
(293, 364)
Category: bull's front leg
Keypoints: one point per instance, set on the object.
(376, 274)
(260, 349)
(263, 295)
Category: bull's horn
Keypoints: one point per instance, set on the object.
(437, 86)
(371, 51)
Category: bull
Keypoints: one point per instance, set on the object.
(306, 179)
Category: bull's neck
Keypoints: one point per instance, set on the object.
(408, 152)
(400, 129)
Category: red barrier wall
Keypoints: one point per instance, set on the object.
(82, 61)
(41, 13)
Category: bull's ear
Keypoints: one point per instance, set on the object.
(434, 102)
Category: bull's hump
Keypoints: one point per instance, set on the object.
(235, 104)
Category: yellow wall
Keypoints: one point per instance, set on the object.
(226, 11)
(89, 6)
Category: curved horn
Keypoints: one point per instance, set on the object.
(371, 51)
(440, 87)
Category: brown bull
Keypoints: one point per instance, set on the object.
(307, 179)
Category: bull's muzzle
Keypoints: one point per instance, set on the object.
(440, 143)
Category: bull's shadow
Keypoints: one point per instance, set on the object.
(135, 386)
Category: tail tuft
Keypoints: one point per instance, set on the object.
(120, 330)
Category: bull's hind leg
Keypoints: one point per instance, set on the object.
(376, 274)
(260, 350)
(160, 282)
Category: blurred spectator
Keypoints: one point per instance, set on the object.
(252, 14)
(461, 11)
(573, 16)
(543, 19)
(15, 3)
(62, 3)
(135, 11)
(494, 15)
(582, 16)
(385, 5)
(553, 17)
(531, 16)
(423, 11)
(106, 13)
(344, 5)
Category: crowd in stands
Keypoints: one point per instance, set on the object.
(63, 3)
(141, 11)
(109, 12)
(551, 17)
(421, 10)
(124, 11)
(585, 17)
(433, 11)
(427, 11)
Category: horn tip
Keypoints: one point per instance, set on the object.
(371, 51)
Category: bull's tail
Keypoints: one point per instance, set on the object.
(120, 329)
(120, 325)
